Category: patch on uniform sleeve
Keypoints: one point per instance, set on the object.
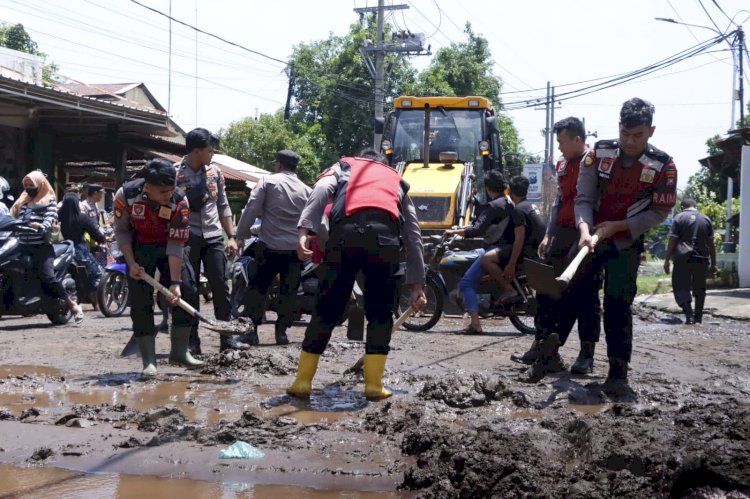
(665, 198)
(118, 213)
(179, 234)
(120, 204)
(670, 178)
(590, 157)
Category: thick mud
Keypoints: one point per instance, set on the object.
(460, 423)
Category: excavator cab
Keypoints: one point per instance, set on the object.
(443, 146)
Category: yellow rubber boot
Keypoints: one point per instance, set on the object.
(374, 367)
(308, 365)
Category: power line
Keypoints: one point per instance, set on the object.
(198, 30)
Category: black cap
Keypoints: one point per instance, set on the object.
(94, 187)
(289, 159)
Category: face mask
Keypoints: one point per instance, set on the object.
(32, 191)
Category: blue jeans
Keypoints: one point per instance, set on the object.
(470, 281)
(84, 257)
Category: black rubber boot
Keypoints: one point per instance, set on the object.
(232, 343)
(698, 315)
(616, 384)
(584, 363)
(280, 333)
(529, 356)
(688, 311)
(194, 343)
(548, 361)
(251, 337)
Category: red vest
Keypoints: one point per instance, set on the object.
(151, 224)
(567, 177)
(623, 190)
(371, 184)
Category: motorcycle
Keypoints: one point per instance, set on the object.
(444, 269)
(242, 271)
(24, 296)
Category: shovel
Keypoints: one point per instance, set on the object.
(357, 366)
(223, 327)
(542, 277)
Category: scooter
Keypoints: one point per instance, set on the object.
(444, 267)
(24, 296)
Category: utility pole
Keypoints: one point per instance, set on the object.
(379, 57)
(403, 42)
(290, 89)
(549, 122)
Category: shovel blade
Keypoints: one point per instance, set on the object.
(131, 348)
(542, 278)
(228, 328)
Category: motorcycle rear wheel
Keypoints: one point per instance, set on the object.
(64, 315)
(112, 294)
(426, 318)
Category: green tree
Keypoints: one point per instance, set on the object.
(333, 91)
(463, 68)
(257, 142)
(15, 37)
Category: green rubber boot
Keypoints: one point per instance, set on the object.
(147, 346)
(179, 354)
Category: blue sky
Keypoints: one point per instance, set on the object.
(532, 42)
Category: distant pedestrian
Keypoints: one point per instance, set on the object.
(691, 246)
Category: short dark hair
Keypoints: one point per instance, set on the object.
(199, 138)
(635, 112)
(288, 159)
(688, 203)
(372, 154)
(519, 185)
(159, 171)
(494, 180)
(572, 125)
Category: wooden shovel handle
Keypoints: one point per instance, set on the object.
(572, 268)
(166, 292)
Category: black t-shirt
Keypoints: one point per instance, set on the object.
(492, 215)
(683, 226)
(526, 214)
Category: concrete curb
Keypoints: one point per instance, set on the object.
(721, 303)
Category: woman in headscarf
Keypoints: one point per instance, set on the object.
(37, 206)
(74, 225)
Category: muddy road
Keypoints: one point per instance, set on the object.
(460, 423)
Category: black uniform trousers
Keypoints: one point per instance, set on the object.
(43, 268)
(152, 257)
(270, 262)
(689, 276)
(579, 302)
(210, 253)
(369, 242)
(620, 273)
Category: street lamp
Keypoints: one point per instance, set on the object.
(736, 95)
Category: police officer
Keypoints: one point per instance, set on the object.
(94, 194)
(580, 301)
(151, 227)
(204, 186)
(690, 272)
(278, 200)
(371, 214)
(624, 188)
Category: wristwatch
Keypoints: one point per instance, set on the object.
(175, 282)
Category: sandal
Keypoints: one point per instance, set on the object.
(78, 316)
(471, 330)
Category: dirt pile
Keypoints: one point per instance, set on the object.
(624, 452)
(462, 389)
(263, 361)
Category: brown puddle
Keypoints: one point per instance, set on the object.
(54, 483)
(204, 399)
